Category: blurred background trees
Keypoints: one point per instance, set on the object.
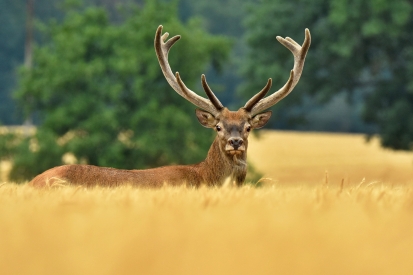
(96, 89)
(358, 66)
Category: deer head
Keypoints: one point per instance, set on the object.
(232, 127)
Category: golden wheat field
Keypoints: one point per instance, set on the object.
(356, 218)
(307, 158)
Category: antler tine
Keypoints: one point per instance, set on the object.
(197, 101)
(212, 97)
(162, 49)
(254, 100)
(299, 53)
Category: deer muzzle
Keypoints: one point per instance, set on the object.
(235, 145)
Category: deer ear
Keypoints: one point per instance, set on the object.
(258, 121)
(205, 118)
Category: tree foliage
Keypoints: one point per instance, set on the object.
(13, 16)
(359, 47)
(11, 54)
(99, 92)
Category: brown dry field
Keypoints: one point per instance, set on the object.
(300, 222)
(306, 158)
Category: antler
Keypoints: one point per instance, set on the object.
(256, 104)
(162, 47)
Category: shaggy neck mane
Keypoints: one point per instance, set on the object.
(218, 165)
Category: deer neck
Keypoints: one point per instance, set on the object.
(219, 166)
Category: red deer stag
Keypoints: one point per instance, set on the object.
(227, 157)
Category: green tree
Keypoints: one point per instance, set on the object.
(222, 17)
(12, 39)
(11, 53)
(361, 48)
(100, 94)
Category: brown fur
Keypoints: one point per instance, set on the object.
(214, 170)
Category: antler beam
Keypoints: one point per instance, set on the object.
(162, 47)
(256, 106)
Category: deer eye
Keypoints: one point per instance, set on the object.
(248, 128)
(218, 128)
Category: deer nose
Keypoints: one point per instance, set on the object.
(235, 142)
